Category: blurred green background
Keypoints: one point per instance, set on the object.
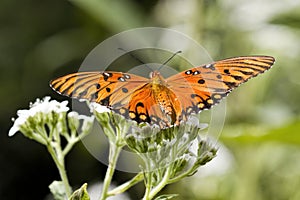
(259, 156)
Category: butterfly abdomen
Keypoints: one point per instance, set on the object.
(164, 98)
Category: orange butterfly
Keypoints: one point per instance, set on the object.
(158, 100)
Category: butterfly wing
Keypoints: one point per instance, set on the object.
(127, 94)
(187, 92)
(112, 89)
(201, 87)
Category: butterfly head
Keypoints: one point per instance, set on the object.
(154, 74)
(156, 77)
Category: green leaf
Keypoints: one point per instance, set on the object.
(166, 196)
(290, 18)
(58, 191)
(115, 15)
(80, 194)
(288, 133)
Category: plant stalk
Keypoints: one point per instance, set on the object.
(114, 152)
(125, 186)
(61, 168)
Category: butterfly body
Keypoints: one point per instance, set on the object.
(159, 100)
(165, 104)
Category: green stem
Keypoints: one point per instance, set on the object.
(181, 176)
(71, 142)
(148, 183)
(150, 195)
(114, 151)
(64, 178)
(54, 148)
(59, 161)
(147, 192)
(125, 186)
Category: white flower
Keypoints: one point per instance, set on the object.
(74, 120)
(87, 122)
(44, 106)
(98, 108)
(73, 114)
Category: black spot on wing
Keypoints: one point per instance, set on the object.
(201, 81)
(248, 73)
(226, 71)
(140, 104)
(105, 101)
(188, 72)
(122, 79)
(219, 76)
(210, 66)
(127, 76)
(238, 78)
(106, 75)
(125, 90)
(231, 84)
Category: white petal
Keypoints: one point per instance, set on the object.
(13, 131)
(98, 108)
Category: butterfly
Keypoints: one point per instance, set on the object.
(159, 100)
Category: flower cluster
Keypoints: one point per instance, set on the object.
(47, 121)
(168, 155)
(36, 114)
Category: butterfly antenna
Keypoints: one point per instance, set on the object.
(169, 59)
(136, 58)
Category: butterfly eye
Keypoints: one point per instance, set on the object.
(151, 74)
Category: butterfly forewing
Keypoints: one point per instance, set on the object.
(106, 88)
(201, 87)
